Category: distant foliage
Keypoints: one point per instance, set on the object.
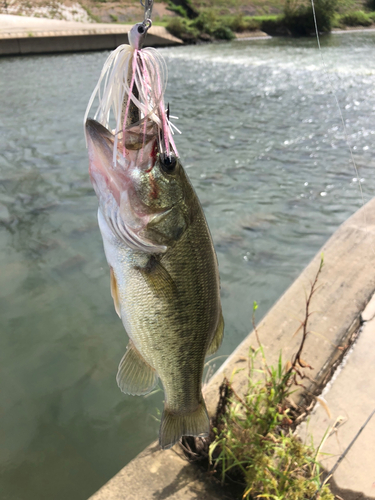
(222, 32)
(299, 19)
(239, 23)
(177, 27)
(178, 9)
(357, 18)
(274, 27)
(208, 23)
(296, 20)
(183, 8)
(182, 28)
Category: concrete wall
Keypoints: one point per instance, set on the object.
(75, 43)
(22, 35)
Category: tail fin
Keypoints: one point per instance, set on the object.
(174, 426)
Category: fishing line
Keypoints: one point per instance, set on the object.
(340, 111)
(343, 455)
(333, 470)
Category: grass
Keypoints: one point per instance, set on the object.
(253, 440)
(356, 18)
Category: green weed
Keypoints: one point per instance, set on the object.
(254, 441)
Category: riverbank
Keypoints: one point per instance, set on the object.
(347, 285)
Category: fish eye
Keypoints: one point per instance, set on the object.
(168, 163)
(141, 30)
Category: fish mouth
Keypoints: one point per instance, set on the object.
(137, 136)
(97, 133)
(140, 148)
(129, 215)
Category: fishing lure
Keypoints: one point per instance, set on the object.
(130, 91)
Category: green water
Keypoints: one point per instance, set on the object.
(263, 144)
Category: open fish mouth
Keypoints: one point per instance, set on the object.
(139, 148)
(126, 213)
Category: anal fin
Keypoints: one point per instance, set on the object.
(218, 337)
(135, 376)
(114, 293)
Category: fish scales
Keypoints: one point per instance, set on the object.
(172, 331)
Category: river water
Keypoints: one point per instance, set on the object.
(264, 146)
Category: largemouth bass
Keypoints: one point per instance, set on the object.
(164, 273)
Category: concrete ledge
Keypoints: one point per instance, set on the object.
(20, 35)
(251, 35)
(347, 283)
(350, 399)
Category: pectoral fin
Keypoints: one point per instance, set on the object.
(114, 293)
(135, 376)
(218, 337)
(159, 279)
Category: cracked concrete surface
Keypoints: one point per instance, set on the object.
(350, 399)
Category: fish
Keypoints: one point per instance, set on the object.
(164, 275)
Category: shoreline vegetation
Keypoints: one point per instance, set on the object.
(296, 19)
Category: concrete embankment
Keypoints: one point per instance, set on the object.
(347, 284)
(30, 35)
